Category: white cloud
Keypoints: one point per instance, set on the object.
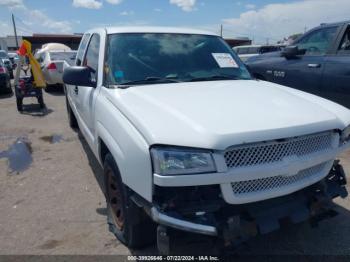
(114, 2)
(276, 21)
(186, 5)
(157, 10)
(12, 3)
(33, 21)
(42, 21)
(5, 29)
(250, 6)
(125, 13)
(90, 4)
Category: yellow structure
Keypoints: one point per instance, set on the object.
(26, 50)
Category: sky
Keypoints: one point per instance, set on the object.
(260, 20)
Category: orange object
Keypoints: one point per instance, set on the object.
(22, 51)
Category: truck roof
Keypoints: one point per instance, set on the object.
(335, 23)
(144, 29)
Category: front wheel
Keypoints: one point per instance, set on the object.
(126, 220)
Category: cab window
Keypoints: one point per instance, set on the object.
(82, 48)
(317, 42)
(92, 56)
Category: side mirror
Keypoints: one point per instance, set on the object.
(291, 52)
(79, 76)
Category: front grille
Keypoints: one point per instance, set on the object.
(270, 183)
(275, 151)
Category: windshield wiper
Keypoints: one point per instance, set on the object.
(212, 78)
(148, 80)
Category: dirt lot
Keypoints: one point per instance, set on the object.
(51, 202)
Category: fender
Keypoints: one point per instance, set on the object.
(127, 145)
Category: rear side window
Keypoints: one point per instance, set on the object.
(92, 55)
(268, 49)
(344, 47)
(82, 47)
(254, 50)
(242, 50)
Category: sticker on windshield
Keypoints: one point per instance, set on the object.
(225, 60)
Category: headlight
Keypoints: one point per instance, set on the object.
(345, 135)
(174, 161)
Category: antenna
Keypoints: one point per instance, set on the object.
(15, 30)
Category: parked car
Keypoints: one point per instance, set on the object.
(7, 62)
(53, 61)
(5, 84)
(188, 140)
(248, 51)
(318, 63)
(14, 58)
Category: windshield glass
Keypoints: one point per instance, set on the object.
(3, 54)
(69, 57)
(159, 58)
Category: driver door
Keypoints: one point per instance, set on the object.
(85, 95)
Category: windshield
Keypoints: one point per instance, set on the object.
(138, 57)
(69, 57)
(3, 54)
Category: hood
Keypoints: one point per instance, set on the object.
(219, 114)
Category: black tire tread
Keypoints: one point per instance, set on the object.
(136, 234)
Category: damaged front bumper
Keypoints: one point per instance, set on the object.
(214, 217)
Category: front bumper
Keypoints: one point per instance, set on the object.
(313, 203)
(183, 225)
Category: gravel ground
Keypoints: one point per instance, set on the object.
(52, 203)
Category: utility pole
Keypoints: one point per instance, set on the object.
(15, 30)
(221, 30)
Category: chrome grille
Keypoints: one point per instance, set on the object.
(270, 183)
(275, 151)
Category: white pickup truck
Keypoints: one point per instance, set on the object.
(189, 140)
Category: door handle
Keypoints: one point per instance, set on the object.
(76, 90)
(314, 65)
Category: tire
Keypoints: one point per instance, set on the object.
(41, 102)
(48, 88)
(19, 102)
(128, 222)
(73, 123)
